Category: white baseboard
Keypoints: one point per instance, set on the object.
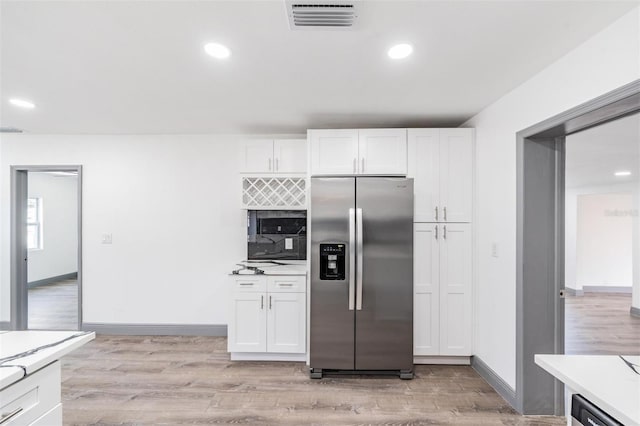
(442, 360)
(259, 356)
(606, 289)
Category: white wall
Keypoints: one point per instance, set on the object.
(605, 62)
(603, 254)
(59, 253)
(172, 204)
(571, 223)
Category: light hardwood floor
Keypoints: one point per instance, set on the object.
(173, 380)
(54, 306)
(600, 324)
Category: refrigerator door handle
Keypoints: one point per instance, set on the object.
(359, 237)
(352, 258)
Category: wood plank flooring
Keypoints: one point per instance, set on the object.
(54, 306)
(600, 324)
(178, 380)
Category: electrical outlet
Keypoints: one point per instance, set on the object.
(107, 239)
(494, 249)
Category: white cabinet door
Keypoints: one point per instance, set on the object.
(290, 156)
(456, 174)
(424, 167)
(333, 152)
(256, 156)
(286, 322)
(248, 323)
(382, 151)
(426, 299)
(455, 289)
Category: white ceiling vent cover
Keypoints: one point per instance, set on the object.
(318, 15)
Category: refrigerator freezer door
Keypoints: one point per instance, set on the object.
(384, 325)
(331, 319)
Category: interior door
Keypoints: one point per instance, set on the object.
(331, 317)
(384, 301)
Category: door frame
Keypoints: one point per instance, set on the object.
(18, 241)
(540, 163)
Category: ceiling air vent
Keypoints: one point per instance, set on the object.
(10, 130)
(322, 14)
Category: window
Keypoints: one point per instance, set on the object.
(34, 223)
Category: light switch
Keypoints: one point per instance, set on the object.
(288, 243)
(494, 249)
(107, 239)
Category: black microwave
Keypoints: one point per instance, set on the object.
(276, 235)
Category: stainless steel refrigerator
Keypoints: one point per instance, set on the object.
(361, 308)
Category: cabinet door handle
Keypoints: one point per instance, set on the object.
(269, 164)
(269, 301)
(284, 284)
(277, 165)
(8, 416)
(354, 165)
(246, 283)
(362, 171)
(261, 301)
(436, 213)
(436, 228)
(445, 232)
(445, 213)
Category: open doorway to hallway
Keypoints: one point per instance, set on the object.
(602, 201)
(52, 243)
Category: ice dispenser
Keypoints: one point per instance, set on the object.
(332, 261)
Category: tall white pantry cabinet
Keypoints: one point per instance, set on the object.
(441, 163)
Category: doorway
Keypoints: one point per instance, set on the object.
(602, 187)
(46, 248)
(540, 281)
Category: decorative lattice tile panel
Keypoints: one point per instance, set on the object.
(274, 192)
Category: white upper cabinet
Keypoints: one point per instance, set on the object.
(256, 156)
(290, 155)
(358, 152)
(382, 151)
(424, 167)
(273, 156)
(333, 152)
(456, 174)
(441, 162)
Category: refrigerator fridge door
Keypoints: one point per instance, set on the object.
(384, 301)
(332, 304)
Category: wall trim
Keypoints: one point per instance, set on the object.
(606, 289)
(494, 380)
(156, 329)
(635, 312)
(5, 325)
(51, 280)
(573, 292)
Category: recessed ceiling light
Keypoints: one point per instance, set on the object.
(400, 51)
(623, 173)
(217, 50)
(22, 103)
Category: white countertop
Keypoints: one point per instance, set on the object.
(605, 380)
(17, 342)
(271, 269)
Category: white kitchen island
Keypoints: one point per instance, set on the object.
(30, 375)
(605, 380)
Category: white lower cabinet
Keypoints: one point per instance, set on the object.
(268, 316)
(34, 400)
(442, 289)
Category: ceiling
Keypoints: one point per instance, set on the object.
(140, 67)
(594, 155)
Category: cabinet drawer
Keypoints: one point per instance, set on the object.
(286, 284)
(53, 417)
(249, 283)
(33, 396)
